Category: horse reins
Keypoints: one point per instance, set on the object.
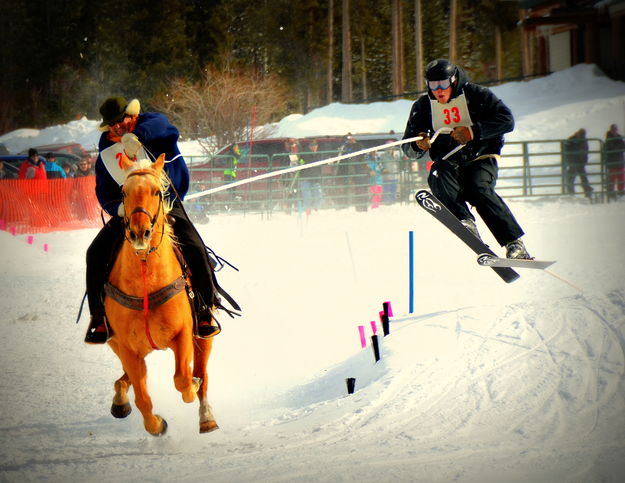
(140, 209)
(144, 261)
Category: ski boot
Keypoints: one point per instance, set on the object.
(516, 249)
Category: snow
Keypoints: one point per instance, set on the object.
(484, 382)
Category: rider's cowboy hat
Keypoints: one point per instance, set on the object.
(115, 108)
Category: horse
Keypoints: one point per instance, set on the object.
(147, 300)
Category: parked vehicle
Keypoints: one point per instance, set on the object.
(71, 148)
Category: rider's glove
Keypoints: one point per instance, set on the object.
(424, 144)
(462, 134)
(131, 145)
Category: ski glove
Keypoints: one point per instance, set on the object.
(131, 145)
(462, 134)
(424, 144)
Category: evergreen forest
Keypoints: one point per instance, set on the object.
(61, 58)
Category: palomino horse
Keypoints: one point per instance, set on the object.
(146, 303)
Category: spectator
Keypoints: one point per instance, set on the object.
(53, 170)
(352, 174)
(391, 167)
(614, 150)
(375, 178)
(310, 179)
(230, 175)
(84, 168)
(5, 173)
(67, 169)
(33, 167)
(575, 158)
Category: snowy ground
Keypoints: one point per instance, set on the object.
(484, 382)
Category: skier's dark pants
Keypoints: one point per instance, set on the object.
(102, 252)
(474, 182)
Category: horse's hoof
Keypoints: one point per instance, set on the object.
(163, 429)
(208, 426)
(121, 410)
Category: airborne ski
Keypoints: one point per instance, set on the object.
(434, 207)
(488, 260)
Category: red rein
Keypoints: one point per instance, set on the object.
(144, 271)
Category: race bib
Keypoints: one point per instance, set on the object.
(454, 113)
(111, 161)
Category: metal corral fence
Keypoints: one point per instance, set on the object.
(526, 169)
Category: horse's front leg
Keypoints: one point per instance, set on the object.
(183, 379)
(137, 372)
(201, 352)
(120, 407)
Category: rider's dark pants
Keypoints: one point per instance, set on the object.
(474, 182)
(102, 252)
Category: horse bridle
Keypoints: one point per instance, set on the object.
(141, 209)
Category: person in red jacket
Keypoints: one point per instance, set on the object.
(33, 167)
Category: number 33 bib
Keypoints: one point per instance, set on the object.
(454, 113)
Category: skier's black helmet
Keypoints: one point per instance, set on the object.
(440, 69)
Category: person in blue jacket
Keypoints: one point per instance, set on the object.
(143, 135)
(477, 120)
(53, 170)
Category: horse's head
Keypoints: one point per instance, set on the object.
(145, 207)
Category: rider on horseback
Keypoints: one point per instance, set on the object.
(141, 136)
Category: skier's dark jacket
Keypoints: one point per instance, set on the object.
(491, 120)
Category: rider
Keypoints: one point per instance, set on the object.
(143, 135)
(479, 120)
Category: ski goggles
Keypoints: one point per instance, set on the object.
(441, 84)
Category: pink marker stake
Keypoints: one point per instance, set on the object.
(13, 231)
(29, 239)
(1, 224)
(374, 327)
(363, 340)
(45, 247)
(390, 309)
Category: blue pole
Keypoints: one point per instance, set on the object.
(411, 271)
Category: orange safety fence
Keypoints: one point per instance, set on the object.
(38, 206)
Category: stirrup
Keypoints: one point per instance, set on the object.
(98, 331)
(207, 329)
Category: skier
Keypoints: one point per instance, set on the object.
(479, 120)
(143, 135)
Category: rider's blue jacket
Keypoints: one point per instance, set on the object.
(158, 136)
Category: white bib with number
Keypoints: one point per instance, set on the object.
(454, 113)
(111, 161)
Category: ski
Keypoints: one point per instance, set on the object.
(434, 207)
(488, 260)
